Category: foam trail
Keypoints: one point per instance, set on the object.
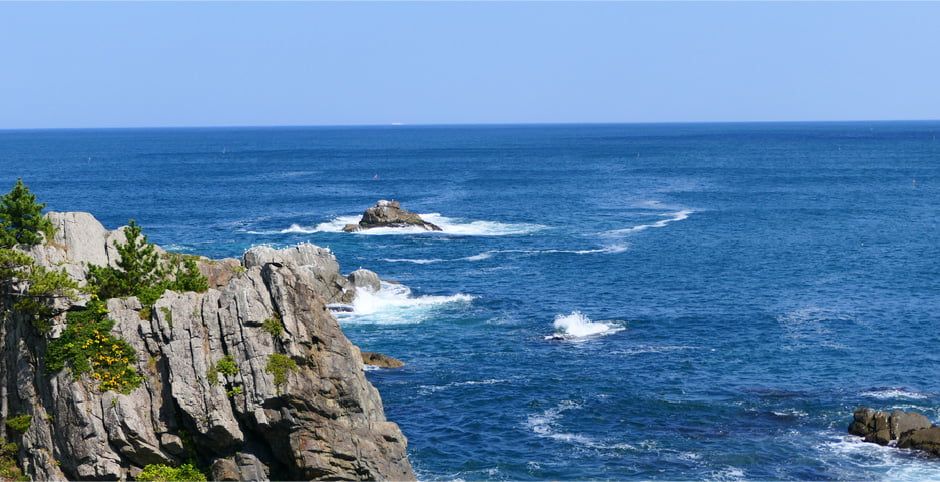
(394, 304)
(577, 326)
(676, 216)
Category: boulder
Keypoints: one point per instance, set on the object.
(380, 360)
(909, 430)
(389, 214)
(363, 278)
(927, 439)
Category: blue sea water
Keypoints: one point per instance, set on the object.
(663, 301)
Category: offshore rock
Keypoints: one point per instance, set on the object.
(380, 360)
(907, 429)
(326, 421)
(389, 214)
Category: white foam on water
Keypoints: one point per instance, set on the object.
(645, 349)
(427, 389)
(888, 393)
(673, 217)
(576, 326)
(415, 261)
(895, 464)
(395, 304)
(448, 226)
(543, 425)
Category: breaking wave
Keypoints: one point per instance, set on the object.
(452, 226)
(393, 304)
(577, 326)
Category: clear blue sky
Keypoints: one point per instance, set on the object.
(310, 63)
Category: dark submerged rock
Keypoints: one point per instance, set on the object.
(389, 214)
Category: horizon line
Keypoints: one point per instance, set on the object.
(455, 124)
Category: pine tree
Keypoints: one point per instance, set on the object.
(140, 274)
(21, 218)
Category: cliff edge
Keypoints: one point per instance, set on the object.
(252, 379)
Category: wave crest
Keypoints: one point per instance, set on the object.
(577, 326)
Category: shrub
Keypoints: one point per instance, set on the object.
(141, 272)
(140, 269)
(279, 366)
(88, 346)
(8, 468)
(21, 219)
(186, 275)
(227, 365)
(273, 325)
(165, 473)
(42, 286)
(20, 423)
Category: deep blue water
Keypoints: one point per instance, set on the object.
(753, 284)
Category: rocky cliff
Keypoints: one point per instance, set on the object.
(210, 389)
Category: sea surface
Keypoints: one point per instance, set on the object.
(658, 301)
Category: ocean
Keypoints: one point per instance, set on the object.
(636, 301)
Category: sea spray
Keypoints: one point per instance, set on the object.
(395, 304)
(578, 326)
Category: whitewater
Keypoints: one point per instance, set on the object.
(713, 310)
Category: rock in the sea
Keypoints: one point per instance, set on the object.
(321, 419)
(908, 429)
(380, 360)
(389, 214)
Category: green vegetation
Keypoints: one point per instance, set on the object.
(168, 315)
(274, 326)
(20, 423)
(279, 366)
(165, 473)
(87, 345)
(21, 219)
(8, 468)
(186, 275)
(227, 365)
(143, 273)
(34, 287)
(139, 271)
(42, 287)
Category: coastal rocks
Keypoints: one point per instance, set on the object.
(321, 419)
(908, 430)
(389, 214)
(380, 360)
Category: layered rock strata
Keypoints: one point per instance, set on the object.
(389, 214)
(324, 420)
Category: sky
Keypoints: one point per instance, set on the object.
(151, 64)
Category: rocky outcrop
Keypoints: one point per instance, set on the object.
(389, 214)
(909, 430)
(380, 360)
(320, 420)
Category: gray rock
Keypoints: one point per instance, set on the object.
(363, 278)
(326, 421)
(389, 214)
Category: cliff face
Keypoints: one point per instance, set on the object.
(318, 419)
